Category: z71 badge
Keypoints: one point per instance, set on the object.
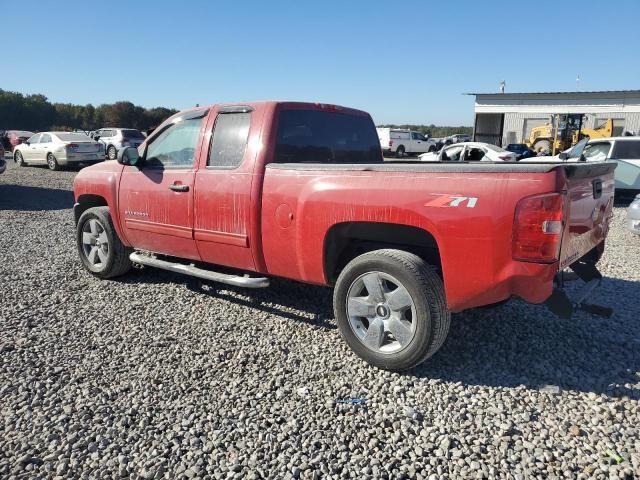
(452, 201)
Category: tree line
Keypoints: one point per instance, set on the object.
(432, 130)
(36, 113)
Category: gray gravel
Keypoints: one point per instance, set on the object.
(157, 375)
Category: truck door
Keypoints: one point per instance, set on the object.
(223, 188)
(156, 195)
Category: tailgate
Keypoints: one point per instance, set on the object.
(590, 189)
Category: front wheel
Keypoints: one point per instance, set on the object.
(112, 153)
(101, 251)
(391, 310)
(19, 159)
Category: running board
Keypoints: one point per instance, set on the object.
(236, 280)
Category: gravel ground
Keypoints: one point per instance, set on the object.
(157, 375)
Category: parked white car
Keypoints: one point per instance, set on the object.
(470, 152)
(115, 139)
(625, 151)
(400, 142)
(58, 148)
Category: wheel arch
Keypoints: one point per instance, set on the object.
(87, 201)
(345, 241)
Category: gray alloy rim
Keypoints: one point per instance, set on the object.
(381, 312)
(111, 153)
(19, 159)
(51, 161)
(95, 243)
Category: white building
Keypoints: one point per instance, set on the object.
(503, 118)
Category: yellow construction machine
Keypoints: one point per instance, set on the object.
(563, 131)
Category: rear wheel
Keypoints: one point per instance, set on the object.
(432, 148)
(112, 153)
(52, 162)
(400, 151)
(19, 159)
(390, 308)
(101, 251)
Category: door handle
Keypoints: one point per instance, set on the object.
(178, 187)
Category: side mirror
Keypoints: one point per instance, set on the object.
(96, 137)
(128, 156)
(563, 155)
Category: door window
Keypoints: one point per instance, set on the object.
(416, 136)
(35, 139)
(229, 140)
(452, 154)
(627, 150)
(175, 146)
(46, 138)
(596, 152)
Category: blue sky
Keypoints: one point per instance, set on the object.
(404, 62)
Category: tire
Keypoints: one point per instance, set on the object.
(94, 229)
(420, 309)
(400, 151)
(432, 148)
(52, 163)
(112, 153)
(19, 159)
(544, 144)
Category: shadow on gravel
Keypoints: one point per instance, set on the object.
(26, 198)
(284, 298)
(520, 344)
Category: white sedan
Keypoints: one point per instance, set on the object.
(58, 148)
(469, 152)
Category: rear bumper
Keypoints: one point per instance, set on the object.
(81, 158)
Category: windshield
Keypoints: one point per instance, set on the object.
(131, 133)
(316, 136)
(72, 137)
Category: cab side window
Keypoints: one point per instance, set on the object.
(229, 139)
(174, 147)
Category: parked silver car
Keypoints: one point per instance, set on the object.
(115, 139)
(58, 148)
(633, 216)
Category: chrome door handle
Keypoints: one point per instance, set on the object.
(176, 187)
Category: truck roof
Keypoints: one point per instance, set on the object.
(280, 103)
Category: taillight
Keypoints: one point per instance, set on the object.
(504, 157)
(391, 143)
(72, 146)
(537, 228)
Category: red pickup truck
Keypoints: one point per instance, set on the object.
(301, 191)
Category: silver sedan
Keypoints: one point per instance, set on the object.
(58, 148)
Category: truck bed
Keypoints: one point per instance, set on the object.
(468, 208)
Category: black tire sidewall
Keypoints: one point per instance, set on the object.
(55, 162)
(112, 149)
(105, 220)
(417, 349)
(21, 161)
(400, 152)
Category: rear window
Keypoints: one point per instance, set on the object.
(131, 133)
(21, 133)
(72, 137)
(312, 136)
(626, 149)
